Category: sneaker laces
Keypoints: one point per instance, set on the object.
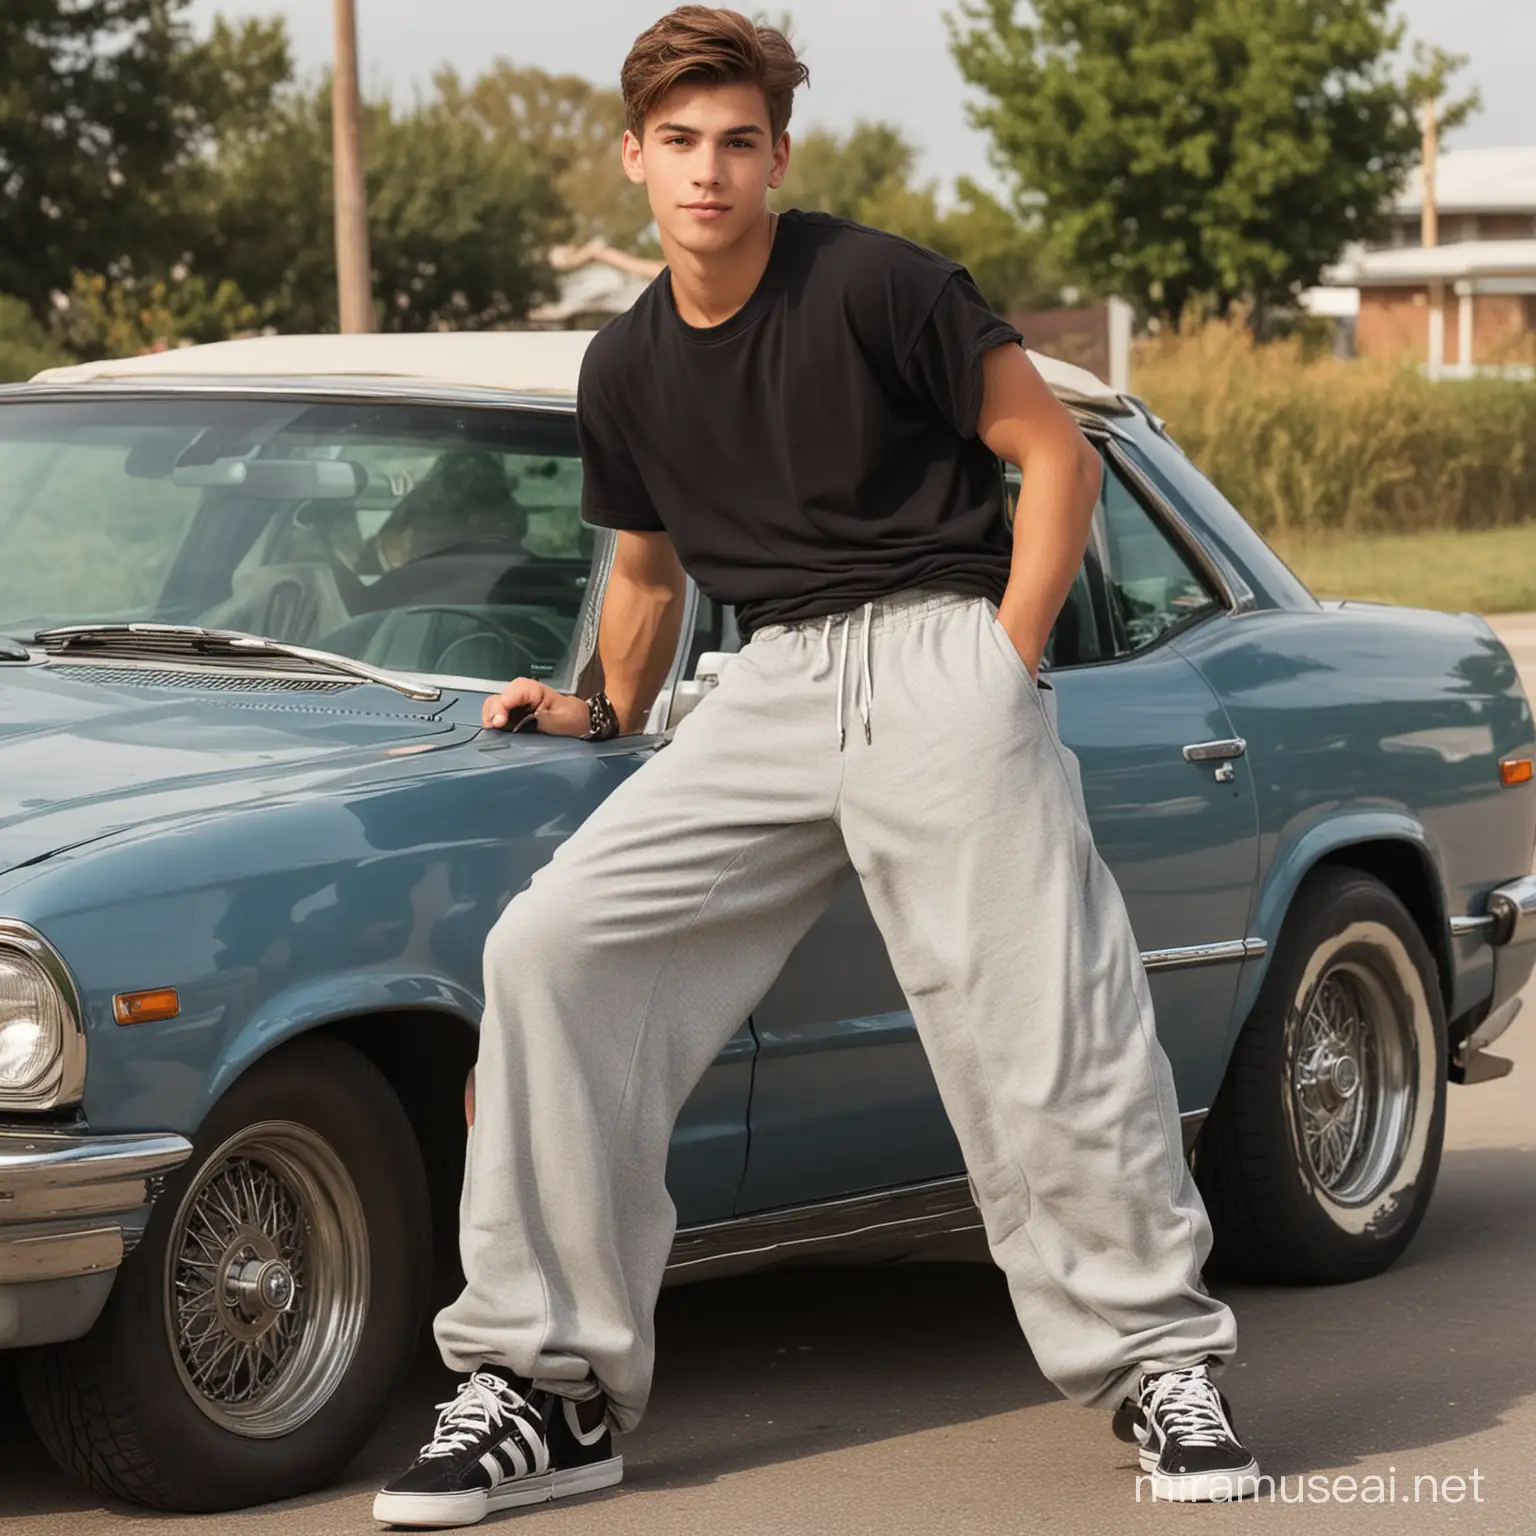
(482, 1403)
(1185, 1403)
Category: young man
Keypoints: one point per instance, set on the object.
(806, 415)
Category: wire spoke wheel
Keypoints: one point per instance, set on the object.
(266, 1290)
(1352, 1076)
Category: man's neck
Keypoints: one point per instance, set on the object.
(708, 289)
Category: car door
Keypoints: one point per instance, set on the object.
(707, 1155)
(843, 1099)
(1169, 792)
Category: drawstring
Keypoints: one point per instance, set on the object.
(868, 691)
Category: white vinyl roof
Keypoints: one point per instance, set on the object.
(1477, 181)
(521, 362)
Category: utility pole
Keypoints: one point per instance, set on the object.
(1429, 233)
(1429, 217)
(354, 275)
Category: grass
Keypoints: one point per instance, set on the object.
(1313, 448)
(1490, 570)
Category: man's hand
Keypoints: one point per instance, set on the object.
(558, 714)
(1023, 422)
(1031, 663)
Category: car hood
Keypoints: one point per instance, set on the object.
(81, 759)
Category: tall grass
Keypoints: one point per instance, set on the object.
(1311, 447)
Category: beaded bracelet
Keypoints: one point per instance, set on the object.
(603, 717)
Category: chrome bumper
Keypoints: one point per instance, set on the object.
(1508, 923)
(74, 1205)
(1512, 910)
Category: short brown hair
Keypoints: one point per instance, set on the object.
(703, 44)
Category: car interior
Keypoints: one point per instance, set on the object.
(416, 539)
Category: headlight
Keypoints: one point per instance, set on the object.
(41, 1049)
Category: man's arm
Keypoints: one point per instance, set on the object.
(642, 609)
(1023, 422)
(637, 636)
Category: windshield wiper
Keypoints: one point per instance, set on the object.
(209, 644)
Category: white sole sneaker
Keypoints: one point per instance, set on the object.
(438, 1511)
(1200, 1487)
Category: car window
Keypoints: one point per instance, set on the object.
(1082, 632)
(46, 486)
(1152, 584)
(428, 538)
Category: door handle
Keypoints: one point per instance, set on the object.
(1218, 752)
(1212, 751)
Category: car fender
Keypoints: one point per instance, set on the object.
(318, 1001)
(1333, 831)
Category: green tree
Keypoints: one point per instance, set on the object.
(125, 315)
(841, 173)
(866, 175)
(1005, 255)
(570, 125)
(102, 104)
(1212, 150)
(25, 345)
(460, 218)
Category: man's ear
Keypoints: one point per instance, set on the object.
(780, 161)
(633, 158)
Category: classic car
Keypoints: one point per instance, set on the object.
(252, 836)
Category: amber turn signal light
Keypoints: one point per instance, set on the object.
(146, 1007)
(1515, 770)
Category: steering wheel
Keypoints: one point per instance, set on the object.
(518, 645)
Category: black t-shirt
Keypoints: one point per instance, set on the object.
(819, 447)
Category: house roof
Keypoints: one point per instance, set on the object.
(595, 281)
(1477, 181)
(519, 362)
(1436, 263)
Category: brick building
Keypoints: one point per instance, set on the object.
(1468, 302)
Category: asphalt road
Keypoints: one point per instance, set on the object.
(903, 1399)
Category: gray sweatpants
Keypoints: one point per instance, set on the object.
(925, 756)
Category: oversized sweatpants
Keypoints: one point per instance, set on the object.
(907, 737)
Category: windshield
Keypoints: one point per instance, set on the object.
(420, 538)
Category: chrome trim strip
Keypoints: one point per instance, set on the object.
(1234, 593)
(1190, 1124)
(1202, 954)
(1472, 923)
(915, 1211)
(397, 389)
(891, 1222)
(404, 388)
(65, 1086)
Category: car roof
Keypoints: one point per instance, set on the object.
(518, 362)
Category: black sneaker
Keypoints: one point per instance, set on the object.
(500, 1444)
(1183, 1424)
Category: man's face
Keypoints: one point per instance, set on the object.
(707, 163)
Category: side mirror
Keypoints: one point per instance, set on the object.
(706, 674)
(711, 664)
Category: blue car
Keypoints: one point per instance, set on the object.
(253, 835)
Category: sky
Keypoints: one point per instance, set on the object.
(868, 58)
